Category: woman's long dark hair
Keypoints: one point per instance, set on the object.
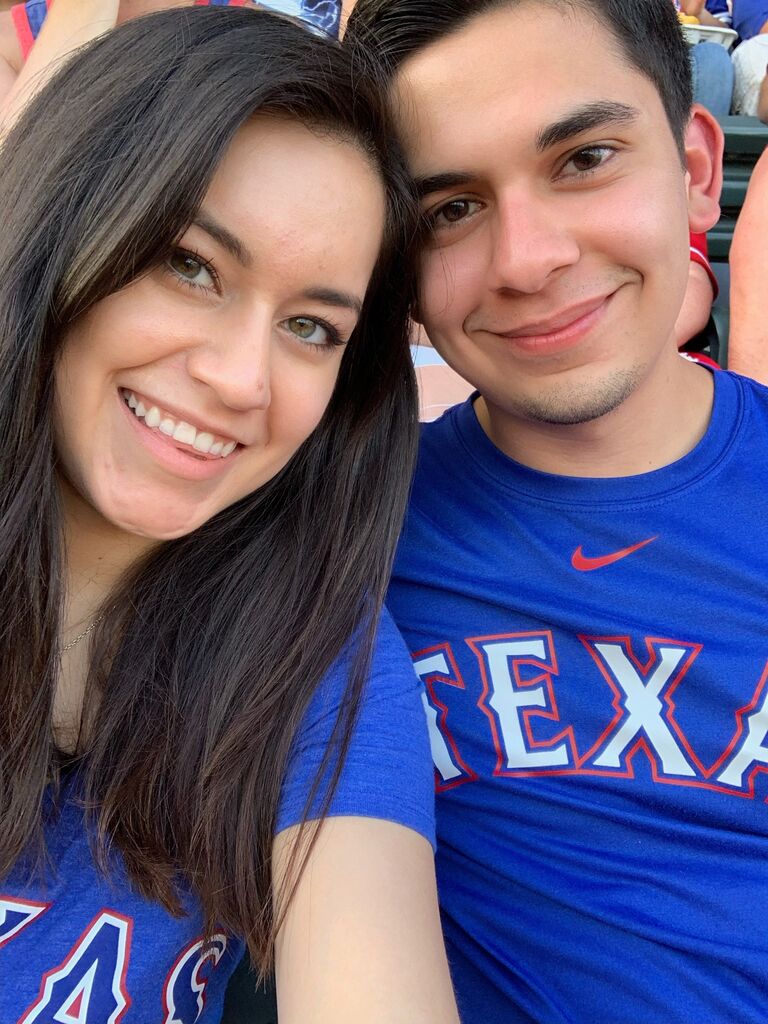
(211, 650)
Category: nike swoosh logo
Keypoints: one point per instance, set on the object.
(580, 561)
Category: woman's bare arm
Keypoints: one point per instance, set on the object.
(69, 24)
(361, 940)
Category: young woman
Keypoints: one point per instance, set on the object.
(207, 415)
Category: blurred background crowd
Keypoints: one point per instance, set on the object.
(729, 54)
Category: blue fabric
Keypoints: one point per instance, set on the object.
(36, 12)
(719, 8)
(712, 78)
(598, 733)
(749, 16)
(387, 772)
(79, 949)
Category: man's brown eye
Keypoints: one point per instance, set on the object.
(455, 210)
(591, 159)
(587, 160)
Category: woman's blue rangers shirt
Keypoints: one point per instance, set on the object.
(82, 949)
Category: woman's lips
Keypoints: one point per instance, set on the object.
(176, 457)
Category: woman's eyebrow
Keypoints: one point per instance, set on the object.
(583, 119)
(224, 237)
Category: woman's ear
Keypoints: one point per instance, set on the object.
(704, 143)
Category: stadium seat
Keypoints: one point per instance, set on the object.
(745, 140)
(247, 1002)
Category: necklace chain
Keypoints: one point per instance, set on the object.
(82, 636)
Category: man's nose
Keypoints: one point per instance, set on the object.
(530, 244)
(236, 363)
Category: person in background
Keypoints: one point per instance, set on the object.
(583, 575)
(76, 23)
(762, 102)
(714, 13)
(713, 73)
(750, 19)
(208, 427)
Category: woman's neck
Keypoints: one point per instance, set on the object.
(97, 556)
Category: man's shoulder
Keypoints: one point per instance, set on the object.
(752, 389)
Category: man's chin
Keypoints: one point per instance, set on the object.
(571, 404)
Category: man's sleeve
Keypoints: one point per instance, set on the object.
(388, 771)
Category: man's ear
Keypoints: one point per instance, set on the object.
(704, 144)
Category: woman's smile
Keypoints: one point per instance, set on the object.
(178, 446)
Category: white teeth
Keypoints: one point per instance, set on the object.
(153, 417)
(184, 433)
(203, 442)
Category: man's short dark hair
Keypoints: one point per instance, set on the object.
(647, 33)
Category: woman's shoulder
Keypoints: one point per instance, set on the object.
(387, 768)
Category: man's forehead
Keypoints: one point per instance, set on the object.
(522, 69)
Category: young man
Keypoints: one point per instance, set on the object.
(583, 579)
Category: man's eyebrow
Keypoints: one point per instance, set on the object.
(331, 297)
(584, 119)
(224, 237)
(440, 182)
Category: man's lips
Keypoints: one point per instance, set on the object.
(560, 331)
(559, 323)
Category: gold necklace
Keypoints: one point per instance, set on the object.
(83, 635)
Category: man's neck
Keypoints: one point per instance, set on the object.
(663, 419)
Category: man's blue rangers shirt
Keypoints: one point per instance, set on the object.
(81, 949)
(595, 653)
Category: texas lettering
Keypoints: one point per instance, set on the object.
(516, 678)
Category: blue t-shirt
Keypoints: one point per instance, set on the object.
(749, 16)
(719, 9)
(596, 660)
(82, 949)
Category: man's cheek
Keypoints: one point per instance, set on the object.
(450, 287)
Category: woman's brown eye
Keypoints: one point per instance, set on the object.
(185, 265)
(191, 270)
(302, 327)
(308, 330)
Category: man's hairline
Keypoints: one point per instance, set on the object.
(618, 50)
